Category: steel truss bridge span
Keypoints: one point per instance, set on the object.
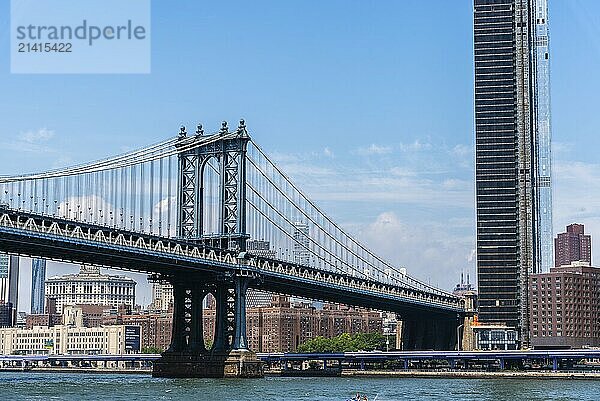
(32, 235)
(212, 213)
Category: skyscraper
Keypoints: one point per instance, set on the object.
(260, 248)
(301, 249)
(512, 146)
(542, 135)
(256, 298)
(162, 296)
(38, 278)
(9, 283)
(573, 246)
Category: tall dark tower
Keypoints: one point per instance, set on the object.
(38, 280)
(512, 170)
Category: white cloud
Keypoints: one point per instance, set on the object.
(461, 150)
(399, 186)
(562, 148)
(301, 170)
(160, 215)
(281, 157)
(374, 149)
(403, 172)
(41, 135)
(472, 255)
(427, 250)
(456, 184)
(426, 179)
(427, 185)
(31, 142)
(415, 146)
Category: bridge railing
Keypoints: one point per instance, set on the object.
(358, 284)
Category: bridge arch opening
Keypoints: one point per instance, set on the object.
(210, 196)
(209, 309)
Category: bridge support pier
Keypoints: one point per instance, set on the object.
(229, 357)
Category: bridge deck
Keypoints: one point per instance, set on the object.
(54, 238)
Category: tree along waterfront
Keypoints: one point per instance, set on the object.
(344, 343)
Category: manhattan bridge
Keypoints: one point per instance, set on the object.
(182, 211)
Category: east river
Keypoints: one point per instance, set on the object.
(66, 386)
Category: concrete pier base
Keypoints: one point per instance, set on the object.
(238, 364)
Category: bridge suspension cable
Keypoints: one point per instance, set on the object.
(139, 191)
(136, 190)
(314, 231)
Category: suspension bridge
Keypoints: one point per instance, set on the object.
(183, 211)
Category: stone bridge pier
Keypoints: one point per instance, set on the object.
(229, 355)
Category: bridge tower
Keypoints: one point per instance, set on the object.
(229, 150)
(229, 356)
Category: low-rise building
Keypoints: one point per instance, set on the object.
(494, 337)
(155, 329)
(85, 315)
(66, 340)
(42, 319)
(72, 315)
(78, 331)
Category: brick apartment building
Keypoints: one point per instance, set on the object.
(565, 303)
(155, 329)
(572, 246)
(283, 326)
(565, 307)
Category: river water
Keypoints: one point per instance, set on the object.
(61, 386)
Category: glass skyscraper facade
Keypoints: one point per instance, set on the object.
(512, 145)
(543, 139)
(38, 280)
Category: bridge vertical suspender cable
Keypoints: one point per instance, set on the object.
(137, 191)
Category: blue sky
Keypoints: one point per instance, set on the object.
(367, 104)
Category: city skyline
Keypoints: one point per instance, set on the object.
(405, 163)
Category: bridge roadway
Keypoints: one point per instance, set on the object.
(38, 235)
(81, 358)
(359, 359)
(348, 359)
